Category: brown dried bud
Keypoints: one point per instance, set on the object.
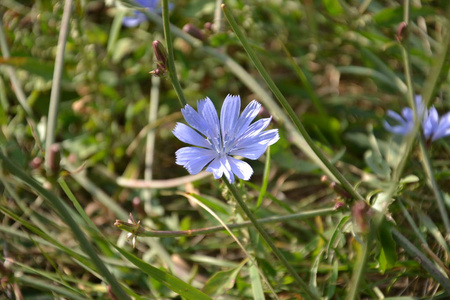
(137, 204)
(36, 163)
(360, 216)
(194, 31)
(401, 31)
(54, 158)
(338, 189)
(208, 26)
(111, 294)
(161, 54)
(339, 205)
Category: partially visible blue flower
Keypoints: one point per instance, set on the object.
(405, 121)
(138, 17)
(217, 141)
(433, 127)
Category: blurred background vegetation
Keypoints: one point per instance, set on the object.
(338, 63)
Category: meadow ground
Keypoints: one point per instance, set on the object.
(118, 183)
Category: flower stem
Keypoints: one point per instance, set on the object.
(425, 158)
(193, 232)
(360, 265)
(257, 63)
(15, 82)
(303, 286)
(171, 60)
(437, 192)
(56, 84)
(150, 143)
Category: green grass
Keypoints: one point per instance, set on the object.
(375, 227)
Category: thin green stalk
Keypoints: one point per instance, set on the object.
(411, 222)
(348, 187)
(426, 160)
(65, 215)
(56, 83)
(265, 182)
(303, 286)
(360, 266)
(439, 62)
(218, 22)
(171, 60)
(306, 84)
(193, 232)
(18, 90)
(150, 143)
(115, 31)
(437, 192)
(421, 259)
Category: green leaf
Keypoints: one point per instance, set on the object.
(222, 281)
(335, 234)
(394, 15)
(388, 254)
(255, 280)
(333, 7)
(168, 280)
(34, 66)
(332, 282)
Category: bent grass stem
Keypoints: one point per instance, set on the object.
(193, 232)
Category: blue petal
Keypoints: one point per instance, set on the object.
(443, 128)
(252, 131)
(134, 20)
(419, 105)
(248, 115)
(195, 119)
(228, 116)
(188, 135)
(408, 114)
(208, 111)
(402, 129)
(406, 122)
(151, 4)
(254, 147)
(194, 159)
(430, 123)
(240, 168)
(220, 166)
(395, 116)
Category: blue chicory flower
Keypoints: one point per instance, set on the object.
(138, 17)
(433, 127)
(217, 141)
